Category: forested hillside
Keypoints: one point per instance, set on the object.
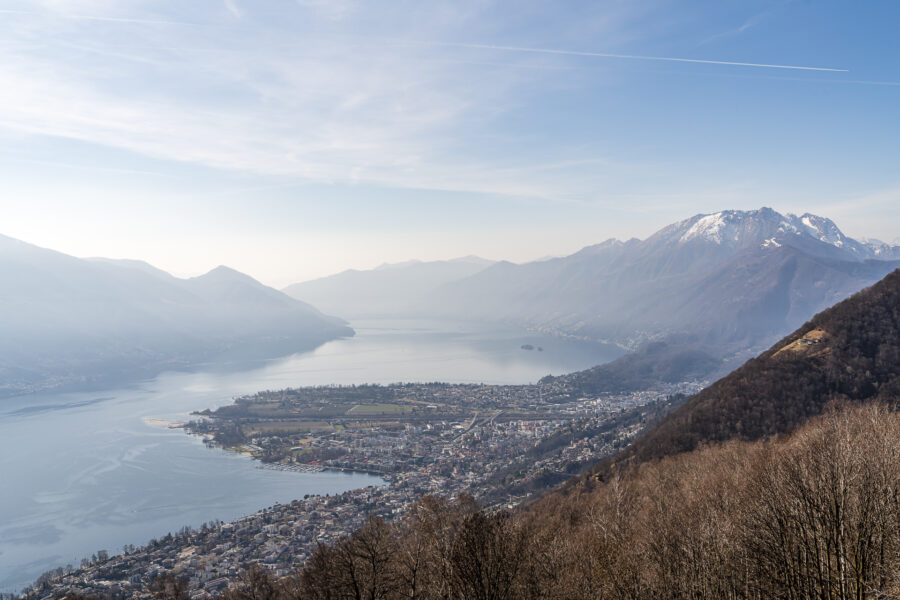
(849, 352)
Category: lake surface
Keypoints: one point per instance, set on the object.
(85, 471)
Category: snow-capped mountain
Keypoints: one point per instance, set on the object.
(732, 227)
(732, 280)
(770, 229)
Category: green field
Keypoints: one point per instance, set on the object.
(286, 427)
(377, 409)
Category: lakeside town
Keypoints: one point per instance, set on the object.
(499, 444)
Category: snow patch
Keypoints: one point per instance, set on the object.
(709, 227)
(769, 229)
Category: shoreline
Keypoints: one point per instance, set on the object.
(308, 468)
(163, 423)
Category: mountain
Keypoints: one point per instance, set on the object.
(67, 321)
(848, 353)
(389, 290)
(714, 501)
(653, 365)
(731, 280)
(815, 514)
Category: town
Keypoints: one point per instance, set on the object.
(499, 444)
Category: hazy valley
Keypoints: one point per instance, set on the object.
(507, 447)
(708, 519)
(70, 322)
(719, 287)
(449, 300)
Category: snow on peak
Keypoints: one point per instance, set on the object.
(880, 249)
(821, 229)
(736, 226)
(710, 227)
(767, 228)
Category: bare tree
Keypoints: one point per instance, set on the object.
(359, 567)
(487, 558)
(256, 583)
(168, 586)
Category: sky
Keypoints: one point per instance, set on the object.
(293, 139)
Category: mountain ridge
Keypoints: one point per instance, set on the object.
(71, 321)
(390, 289)
(640, 291)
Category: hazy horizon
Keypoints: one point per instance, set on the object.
(367, 265)
(293, 141)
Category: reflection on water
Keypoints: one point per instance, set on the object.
(81, 472)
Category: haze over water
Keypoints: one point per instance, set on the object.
(84, 471)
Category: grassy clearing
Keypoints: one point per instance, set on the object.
(285, 427)
(377, 409)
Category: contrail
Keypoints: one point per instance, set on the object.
(635, 57)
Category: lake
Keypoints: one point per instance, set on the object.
(85, 471)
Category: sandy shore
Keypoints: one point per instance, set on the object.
(163, 423)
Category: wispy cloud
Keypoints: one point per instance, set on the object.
(99, 18)
(16, 157)
(318, 98)
(634, 56)
(317, 107)
(232, 7)
(745, 26)
(295, 115)
(330, 9)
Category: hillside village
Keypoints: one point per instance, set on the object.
(499, 460)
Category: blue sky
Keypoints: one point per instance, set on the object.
(294, 139)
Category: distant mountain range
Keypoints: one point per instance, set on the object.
(389, 290)
(729, 281)
(710, 288)
(720, 286)
(68, 321)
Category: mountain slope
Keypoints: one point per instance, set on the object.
(66, 320)
(655, 364)
(734, 279)
(850, 352)
(389, 290)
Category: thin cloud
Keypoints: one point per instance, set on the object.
(14, 157)
(822, 80)
(330, 9)
(232, 8)
(133, 21)
(631, 56)
(870, 82)
(128, 20)
(748, 24)
(323, 121)
(350, 109)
